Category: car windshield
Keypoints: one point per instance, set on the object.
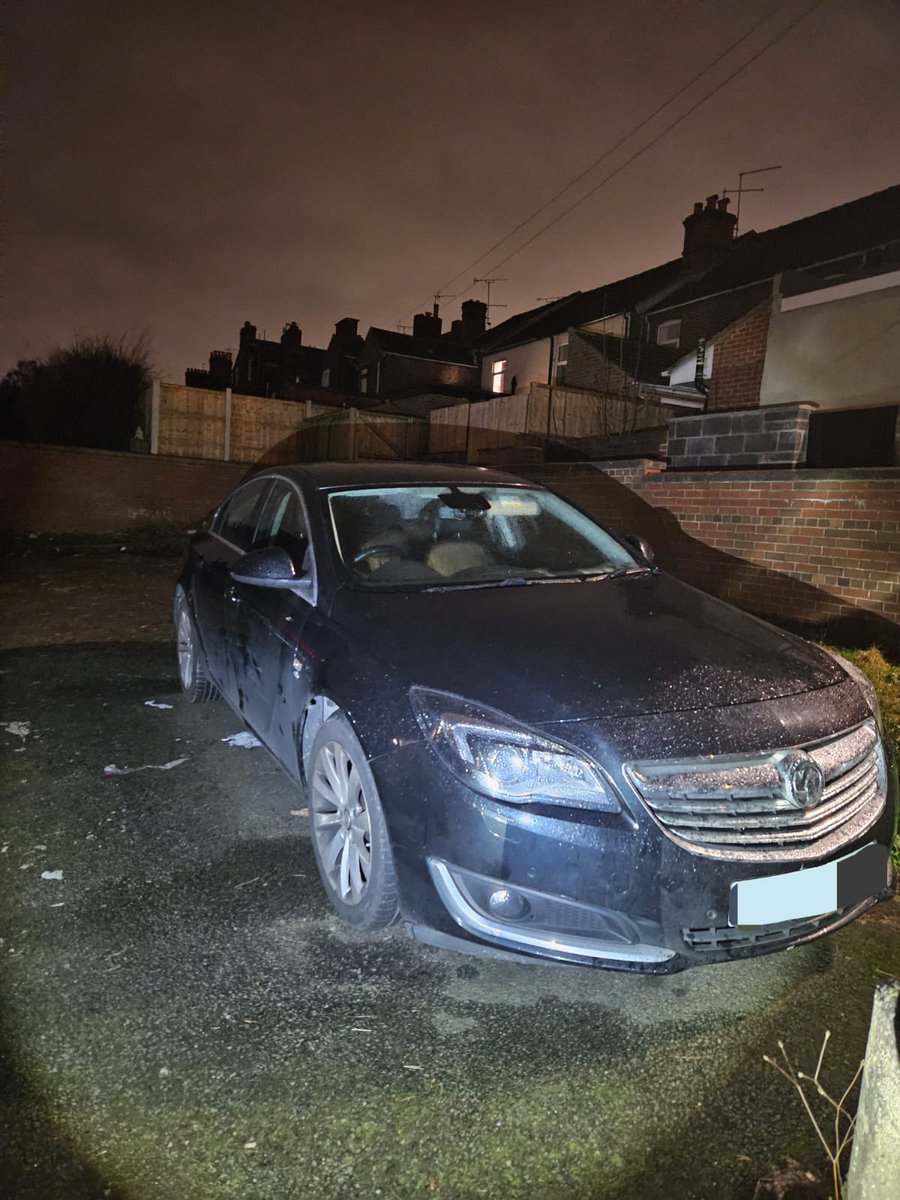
(450, 536)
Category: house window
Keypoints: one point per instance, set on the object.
(560, 358)
(498, 376)
(326, 377)
(668, 333)
(364, 379)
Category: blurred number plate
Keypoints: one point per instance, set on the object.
(797, 895)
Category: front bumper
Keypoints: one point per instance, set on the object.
(601, 889)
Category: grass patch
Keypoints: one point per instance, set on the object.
(886, 679)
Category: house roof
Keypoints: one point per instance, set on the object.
(754, 257)
(643, 361)
(404, 345)
(580, 308)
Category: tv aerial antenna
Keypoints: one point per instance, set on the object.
(740, 190)
(488, 281)
(439, 296)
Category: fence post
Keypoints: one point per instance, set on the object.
(226, 447)
(154, 417)
(351, 435)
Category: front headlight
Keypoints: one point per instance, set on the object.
(862, 681)
(493, 754)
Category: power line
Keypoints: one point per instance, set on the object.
(637, 128)
(613, 148)
(668, 129)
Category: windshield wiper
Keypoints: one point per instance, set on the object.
(509, 581)
(621, 572)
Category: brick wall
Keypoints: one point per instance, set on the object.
(807, 546)
(56, 489)
(774, 435)
(397, 373)
(738, 362)
(588, 368)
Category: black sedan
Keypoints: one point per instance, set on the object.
(519, 735)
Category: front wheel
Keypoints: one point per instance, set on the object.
(349, 833)
(192, 670)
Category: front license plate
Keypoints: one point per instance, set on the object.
(814, 892)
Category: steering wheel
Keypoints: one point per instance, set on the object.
(370, 551)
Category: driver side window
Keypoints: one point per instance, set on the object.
(283, 524)
(238, 520)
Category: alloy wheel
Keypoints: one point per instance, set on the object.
(341, 823)
(185, 640)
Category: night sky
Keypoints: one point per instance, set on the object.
(181, 167)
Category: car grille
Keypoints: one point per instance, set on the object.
(725, 937)
(740, 805)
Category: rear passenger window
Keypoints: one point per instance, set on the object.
(237, 522)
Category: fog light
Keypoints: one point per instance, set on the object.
(509, 905)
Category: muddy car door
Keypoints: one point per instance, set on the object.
(268, 622)
(217, 550)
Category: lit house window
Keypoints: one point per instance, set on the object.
(364, 379)
(669, 333)
(498, 375)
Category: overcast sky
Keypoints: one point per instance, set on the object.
(182, 167)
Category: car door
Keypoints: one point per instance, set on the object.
(230, 535)
(267, 646)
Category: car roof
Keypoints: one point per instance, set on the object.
(325, 475)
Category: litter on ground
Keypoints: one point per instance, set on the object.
(155, 704)
(51, 874)
(112, 769)
(19, 729)
(247, 740)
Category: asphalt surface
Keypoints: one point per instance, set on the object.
(183, 1017)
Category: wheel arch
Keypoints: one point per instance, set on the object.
(319, 708)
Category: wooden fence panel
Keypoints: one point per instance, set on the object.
(503, 420)
(191, 421)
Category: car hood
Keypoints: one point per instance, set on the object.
(571, 651)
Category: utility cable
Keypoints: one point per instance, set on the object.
(631, 133)
(668, 129)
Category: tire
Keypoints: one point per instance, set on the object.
(349, 833)
(192, 670)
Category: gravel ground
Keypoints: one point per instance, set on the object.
(182, 1016)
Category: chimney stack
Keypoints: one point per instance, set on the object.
(345, 329)
(708, 233)
(474, 318)
(427, 326)
(220, 368)
(292, 336)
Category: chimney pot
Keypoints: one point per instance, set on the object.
(698, 206)
(711, 202)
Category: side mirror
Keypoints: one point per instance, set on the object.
(269, 567)
(640, 544)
